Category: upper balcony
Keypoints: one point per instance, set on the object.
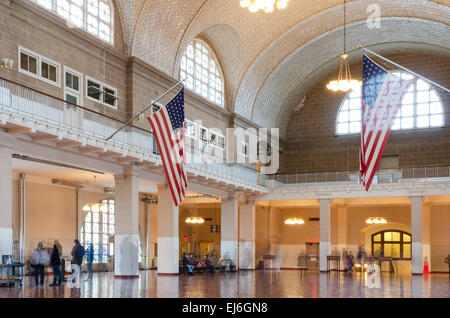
(404, 181)
(44, 117)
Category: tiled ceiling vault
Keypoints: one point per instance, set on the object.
(267, 58)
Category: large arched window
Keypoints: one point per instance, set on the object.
(421, 108)
(94, 16)
(200, 69)
(392, 243)
(98, 229)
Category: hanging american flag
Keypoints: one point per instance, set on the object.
(382, 95)
(168, 127)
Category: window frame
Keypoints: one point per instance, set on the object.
(86, 14)
(102, 87)
(109, 244)
(218, 67)
(415, 115)
(69, 90)
(401, 242)
(39, 59)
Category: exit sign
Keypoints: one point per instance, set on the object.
(314, 240)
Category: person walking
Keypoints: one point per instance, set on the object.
(89, 260)
(39, 259)
(77, 260)
(55, 261)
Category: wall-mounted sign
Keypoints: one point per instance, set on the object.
(314, 240)
(215, 228)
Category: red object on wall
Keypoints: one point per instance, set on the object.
(314, 240)
(185, 239)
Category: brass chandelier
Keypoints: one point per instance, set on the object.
(344, 82)
(266, 5)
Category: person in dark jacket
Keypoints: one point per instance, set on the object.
(77, 256)
(55, 261)
(89, 260)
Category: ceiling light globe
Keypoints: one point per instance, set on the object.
(281, 4)
(253, 8)
(245, 3)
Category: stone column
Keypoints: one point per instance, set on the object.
(6, 226)
(168, 237)
(341, 229)
(324, 232)
(247, 235)
(417, 234)
(126, 261)
(426, 249)
(229, 228)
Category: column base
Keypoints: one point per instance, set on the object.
(126, 276)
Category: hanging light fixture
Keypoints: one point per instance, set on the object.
(344, 82)
(294, 221)
(267, 5)
(195, 220)
(376, 220)
(95, 207)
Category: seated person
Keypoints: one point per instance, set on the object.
(187, 264)
(209, 264)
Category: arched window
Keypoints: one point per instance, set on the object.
(202, 73)
(98, 229)
(421, 108)
(94, 16)
(392, 243)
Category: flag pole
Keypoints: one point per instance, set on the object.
(406, 69)
(153, 103)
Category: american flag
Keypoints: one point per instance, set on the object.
(168, 127)
(382, 93)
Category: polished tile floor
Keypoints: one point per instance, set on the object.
(266, 284)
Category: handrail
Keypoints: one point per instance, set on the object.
(353, 170)
(75, 105)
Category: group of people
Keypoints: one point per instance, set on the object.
(190, 262)
(349, 259)
(40, 259)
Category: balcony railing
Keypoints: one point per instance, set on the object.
(381, 176)
(61, 115)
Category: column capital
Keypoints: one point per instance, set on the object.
(416, 197)
(325, 200)
(162, 186)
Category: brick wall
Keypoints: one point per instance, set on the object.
(23, 23)
(311, 144)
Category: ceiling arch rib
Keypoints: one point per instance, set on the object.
(283, 89)
(322, 73)
(312, 27)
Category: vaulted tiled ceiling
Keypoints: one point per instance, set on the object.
(267, 57)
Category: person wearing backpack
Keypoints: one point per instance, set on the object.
(77, 258)
(55, 261)
(39, 259)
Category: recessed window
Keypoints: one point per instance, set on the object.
(200, 69)
(395, 244)
(28, 63)
(98, 229)
(72, 87)
(101, 92)
(109, 96)
(38, 66)
(421, 108)
(93, 90)
(94, 16)
(48, 71)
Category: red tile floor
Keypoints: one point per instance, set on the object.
(267, 284)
